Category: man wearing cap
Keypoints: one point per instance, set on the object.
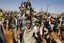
(28, 33)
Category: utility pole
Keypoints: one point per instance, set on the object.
(47, 9)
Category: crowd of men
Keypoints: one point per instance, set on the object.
(26, 27)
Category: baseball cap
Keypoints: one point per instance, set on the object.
(28, 22)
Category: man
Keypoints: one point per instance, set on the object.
(38, 32)
(51, 32)
(28, 5)
(1, 20)
(28, 33)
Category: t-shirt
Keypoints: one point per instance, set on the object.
(36, 29)
(28, 36)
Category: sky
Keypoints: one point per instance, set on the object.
(55, 6)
